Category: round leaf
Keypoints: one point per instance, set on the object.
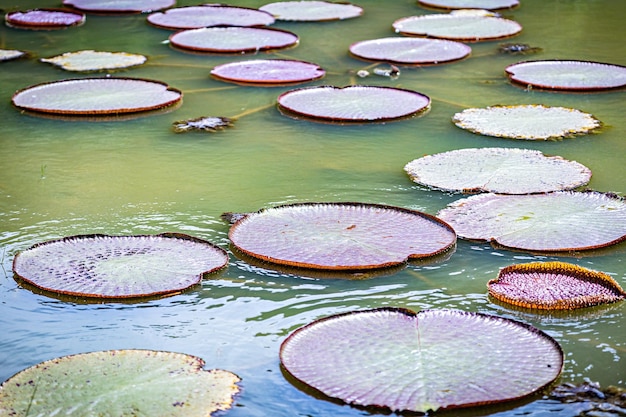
(469, 4)
(90, 60)
(410, 51)
(44, 19)
(206, 15)
(312, 11)
(460, 27)
(120, 6)
(268, 72)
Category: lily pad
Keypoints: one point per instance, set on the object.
(120, 6)
(530, 122)
(340, 236)
(207, 15)
(10, 54)
(90, 60)
(458, 27)
(119, 383)
(312, 11)
(417, 362)
(469, 4)
(568, 75)
(554, 222)
(410, 51)
(104, 266)
(497, 170)
(268, 72)
(44, 19)
(97, 96)
(233, 39)
(353, 103)
(554, 286)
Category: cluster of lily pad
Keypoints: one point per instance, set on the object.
(390, 358)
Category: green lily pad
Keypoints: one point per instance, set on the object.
(431, 360)
(90, 60)
(119, 383)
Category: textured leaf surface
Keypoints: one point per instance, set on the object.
(119, 383)
(207, 15)
(96, 96)
(459, 27)
(312, 11)
(497, 170)
(559, 221)
(268, 72)
(233, 39)
(120, 6)
(532, 122)
(568, 75)
(118, 266)
(353, 104)
(44, 19)
(90, 60)
(470, 4)
(414, 51)
(340, 236)
(418, 362)
(554, 286)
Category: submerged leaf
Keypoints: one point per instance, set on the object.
(554, 286)
(204, 124)
(434, 359)
(119, 383)
(90, 60)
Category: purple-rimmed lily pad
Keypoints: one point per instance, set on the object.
(513, 122)
(497, 170)
(431, 360)
(44, 19)
(458, 27)
(104, 266)
(10, 54)
(89, 60)
(353, 103)
(554, 222)
(268, 72)
(233, 39)
(312, 11)
(469, 4)
(410, 51)
(554, 286)
(97, 96)
(340, 236)
(568, 75)
(119, 383)
(207, 15)
(119, 6)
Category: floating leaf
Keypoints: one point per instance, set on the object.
(469, 4)
(353, 103)
(559, 221)
(554, 286)
(517, 49)
(97, 96)
(312, 11)
(268, 72)
(207, 15)
(233, 39)
(497, 170)
(9, 54)
(340, 236)
(531, 122)
(119, 383)
(118, 266)
(44, 19)
(410, 51)
(204, 124)
(434, 359)
(568, 75)
(459, 27)
(120, 6)
(90, 60)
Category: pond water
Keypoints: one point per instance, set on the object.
(60, 178)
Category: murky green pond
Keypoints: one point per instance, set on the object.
(60, 178)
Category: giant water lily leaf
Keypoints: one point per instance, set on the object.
(340, 236)
(233, 39)
(44, 19)
(353, 103)
(10, 54)
(435, 359)
(458, 27)
(312, 11)
(90, 60)
(97, 96)
(497, 170)
(554, 286)
(410, 51)
(207, 15)
(469, 4)
(268, 72)
(120, 6)
(119, 383)
(104, 266)
(531, 122)
(559, 221)
(568, 75)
